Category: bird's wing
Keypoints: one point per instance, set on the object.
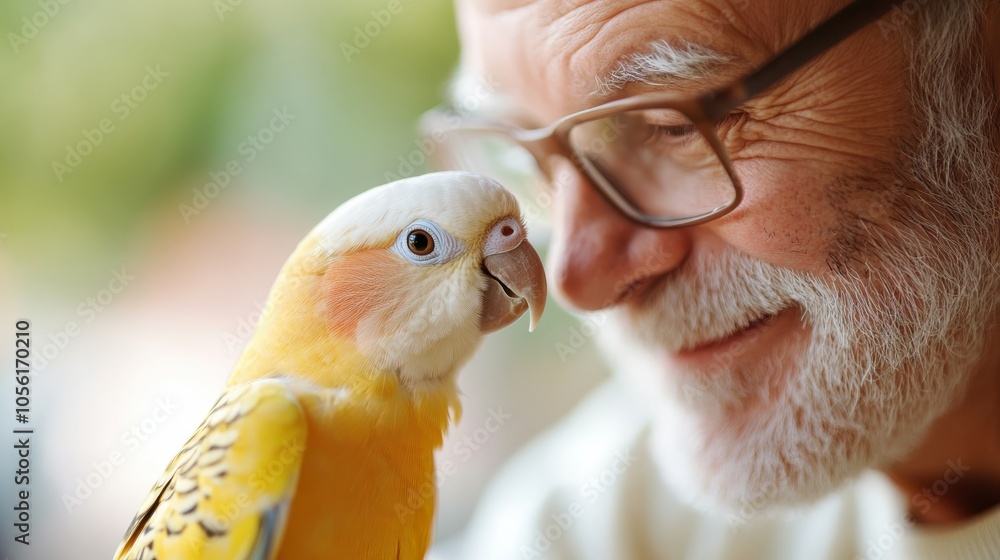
(228, 492)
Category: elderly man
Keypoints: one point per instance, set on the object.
(787, 216)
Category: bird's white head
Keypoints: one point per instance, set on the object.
(416, 271)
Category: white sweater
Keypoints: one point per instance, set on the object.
(588, 489)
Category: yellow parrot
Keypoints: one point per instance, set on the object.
(328, 424)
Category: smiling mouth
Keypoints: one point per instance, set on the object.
(754, 325)
(759, 321)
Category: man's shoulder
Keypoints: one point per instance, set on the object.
(589, 488)
(589, 470)
(602, 429)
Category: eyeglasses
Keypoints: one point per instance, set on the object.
(656, 157)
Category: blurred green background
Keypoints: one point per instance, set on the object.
(225, 73)
(142, 279)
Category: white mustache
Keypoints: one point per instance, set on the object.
(712, 296)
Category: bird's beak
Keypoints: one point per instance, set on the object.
(515, 283)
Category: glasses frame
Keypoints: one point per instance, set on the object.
(703, 111)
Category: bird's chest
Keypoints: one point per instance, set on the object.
(362, 493)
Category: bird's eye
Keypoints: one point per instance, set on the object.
(425, 243)
(419, 242)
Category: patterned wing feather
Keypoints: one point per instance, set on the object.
(226, 495)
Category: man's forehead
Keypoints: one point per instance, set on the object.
(583, 45)
(586, 46)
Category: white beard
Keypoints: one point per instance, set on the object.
(889, 345)
(858, 392)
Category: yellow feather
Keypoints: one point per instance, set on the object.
(242, 463)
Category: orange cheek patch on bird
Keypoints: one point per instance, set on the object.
(360, 284)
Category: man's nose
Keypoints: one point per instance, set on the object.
(599, 257)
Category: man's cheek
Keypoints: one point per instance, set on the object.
(785, 218)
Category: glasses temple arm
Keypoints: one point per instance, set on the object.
(850, 19)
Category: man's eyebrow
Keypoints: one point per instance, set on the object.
(663, 63)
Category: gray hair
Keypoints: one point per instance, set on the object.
(663, 62)
(955, 154)
(954, 98)
(947, 187)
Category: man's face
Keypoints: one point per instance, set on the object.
(813, 331)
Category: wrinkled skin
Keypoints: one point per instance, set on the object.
(812, 153)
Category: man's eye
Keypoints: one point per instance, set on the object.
(672, 134)
(672, 131)
(684, 132)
